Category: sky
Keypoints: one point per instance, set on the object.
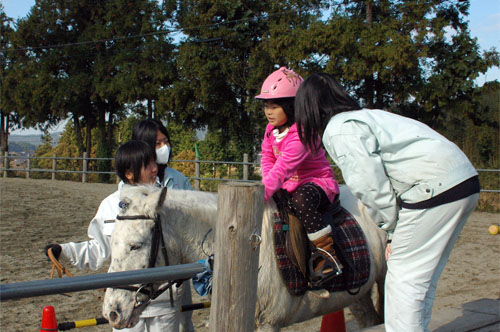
(484, 24)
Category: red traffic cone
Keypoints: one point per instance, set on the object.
(49, 322)
(333, 322)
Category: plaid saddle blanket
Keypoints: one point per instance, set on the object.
(351, 248)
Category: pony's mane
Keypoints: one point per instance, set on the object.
(175, 197)
(134, 192)
(191, 199)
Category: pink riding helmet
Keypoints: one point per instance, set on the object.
(282, 83)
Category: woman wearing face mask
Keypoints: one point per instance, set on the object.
(155, 134)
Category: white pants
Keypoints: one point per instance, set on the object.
(421, 245)
(168, 322)
(171, 320)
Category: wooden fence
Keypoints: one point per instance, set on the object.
(489, 183)
(24, 164)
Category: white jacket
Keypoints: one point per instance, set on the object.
(385, 158)
(94, 253)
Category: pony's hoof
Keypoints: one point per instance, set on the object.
(321, 293)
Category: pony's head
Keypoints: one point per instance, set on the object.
(134, 245)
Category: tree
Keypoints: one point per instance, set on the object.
(45, 151)
(6, 79)
(229, 49)
(414, 57)
(89, 60)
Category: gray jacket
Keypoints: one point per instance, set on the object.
(386, 158)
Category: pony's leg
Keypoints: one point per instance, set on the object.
(267, 328)
(364, 312)
(380, 299)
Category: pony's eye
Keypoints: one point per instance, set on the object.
(136, 246)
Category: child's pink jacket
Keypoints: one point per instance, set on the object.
(288, 164)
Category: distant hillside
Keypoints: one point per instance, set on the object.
(29, 143)
(22, 147)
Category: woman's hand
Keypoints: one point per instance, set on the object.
(388, 251)
(56, 250)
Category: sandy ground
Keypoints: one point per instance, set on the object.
(34, 213)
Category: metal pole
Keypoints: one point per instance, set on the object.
(96, 281)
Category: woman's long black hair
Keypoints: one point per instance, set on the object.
(146, 130)
(319, 98)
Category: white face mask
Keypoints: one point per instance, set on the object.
(162, 155)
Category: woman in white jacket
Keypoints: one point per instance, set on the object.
(134, 164)
(416, 185)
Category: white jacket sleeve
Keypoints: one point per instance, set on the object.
(356, 151)
(94, 253)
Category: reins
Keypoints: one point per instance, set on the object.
(157, 241)
(56, 265)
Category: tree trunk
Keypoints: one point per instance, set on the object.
(78, 133)
(369, 80)
(88, 138)
(4, 132)
(102, 165)
(369, 13)
(150, 109)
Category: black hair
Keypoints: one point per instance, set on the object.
(319, 98)
(288, 107)
(133, 156)
(146, 130)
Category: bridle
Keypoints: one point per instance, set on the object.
(149, 289)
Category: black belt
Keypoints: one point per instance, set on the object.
(462, 190)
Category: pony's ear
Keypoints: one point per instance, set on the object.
(161, 199)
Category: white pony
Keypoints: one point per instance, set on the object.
(187, 216)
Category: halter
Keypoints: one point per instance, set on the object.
(148, 289)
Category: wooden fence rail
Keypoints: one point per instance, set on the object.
(85, 171)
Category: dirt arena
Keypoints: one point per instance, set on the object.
(34, 213)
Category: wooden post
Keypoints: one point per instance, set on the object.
(239, 220)
(54, 167)
(28, 167)
(85, 167)
(5, 163)
(245, 166)
(197, 173)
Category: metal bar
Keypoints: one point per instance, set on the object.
(74, 284)
(197, 178)
(215, 162)
(42, 170)
(222, 180)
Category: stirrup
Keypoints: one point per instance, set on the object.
(328, 271)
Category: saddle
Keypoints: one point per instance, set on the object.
(293, 249)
